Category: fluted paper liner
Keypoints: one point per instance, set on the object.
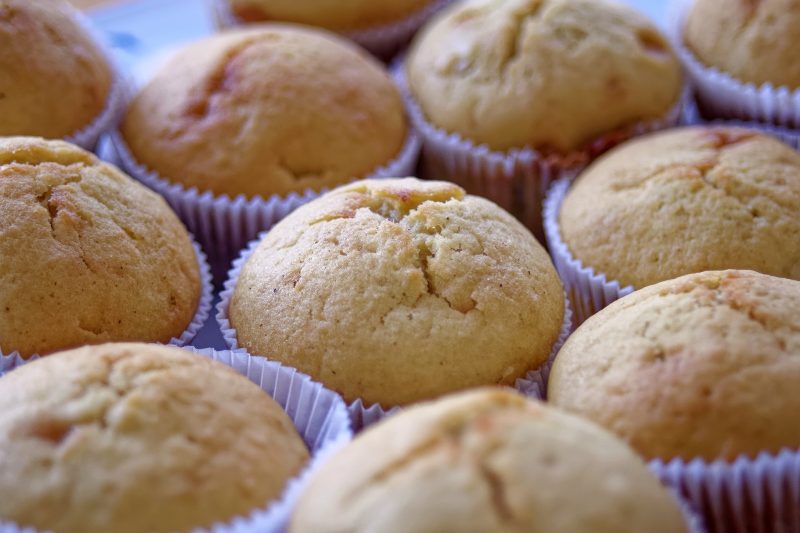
(589, 291)
(224, 225)
(382, 41)
(14, 359)
(533, 384)
(725, 96)
(516, 180)
(318, 414)
(786, 135)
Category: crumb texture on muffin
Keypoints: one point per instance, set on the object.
(547, 74)
(755, 41)
(87, 255)
(338, 15)
(687, 200)
(54, 80)
(485, 460)
(265, 111)
(705, 365)
(399, 290)
(134, 437)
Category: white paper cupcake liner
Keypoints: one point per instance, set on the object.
(116, 100)
(382, 41)
(516, 180)
(225, 225)
(760, 494)
(533, 384)
(318, 414)
(724, 96)
(589, 291)
(14, 359)
(786, 135)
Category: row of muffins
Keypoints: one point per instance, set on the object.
(389, 216)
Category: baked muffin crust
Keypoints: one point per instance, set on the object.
(394, 291)
(548, 74)
(687, 200)
(87, 255)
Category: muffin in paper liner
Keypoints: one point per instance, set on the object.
(746, 495)
(533, 384)
(589, 291)
(14, 359)
(224, 225)
(516, 180)
(722, 95)
(382, 41)
(319, 415)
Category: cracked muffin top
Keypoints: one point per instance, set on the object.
(268, 110)
(687, 200)
(486, 460)
(548, 74)
(753, 41)
(87, 255)
(136, 437)
(337, 15)
(395, 291)
(54, 80)
(706, 365)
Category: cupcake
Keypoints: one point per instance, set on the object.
(703, 371)
(672, 203)
(486, 460)
(381, 27)
(508, 94)
(742, 57)
(56, 81)
(395, 291)
(135, 437)
(236, 125)
(87, 255)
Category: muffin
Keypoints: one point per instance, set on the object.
(381, 27)
(680, 201)
(87, 255)
(135, 437)
(55, 79)
(264, 113)
(740, 53)
(541, 85)
(394, 291)
(698, 369)
(485, 460)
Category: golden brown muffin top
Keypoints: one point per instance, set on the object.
(754, 41)
(54, 80)
(547, 74)
(87, 255)
(394, 291)
(486, 460)
(136, 437)
(687, 200)
(706, 365)
(269, 110)
(337, 15)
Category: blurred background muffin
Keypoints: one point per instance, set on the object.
(54, 79)
(680, 201)
(135, 437)
(87, 255)
(742, 56)
(486, 460)
(395, 291)
(381, 27)
(541, 86)
(272, 110)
